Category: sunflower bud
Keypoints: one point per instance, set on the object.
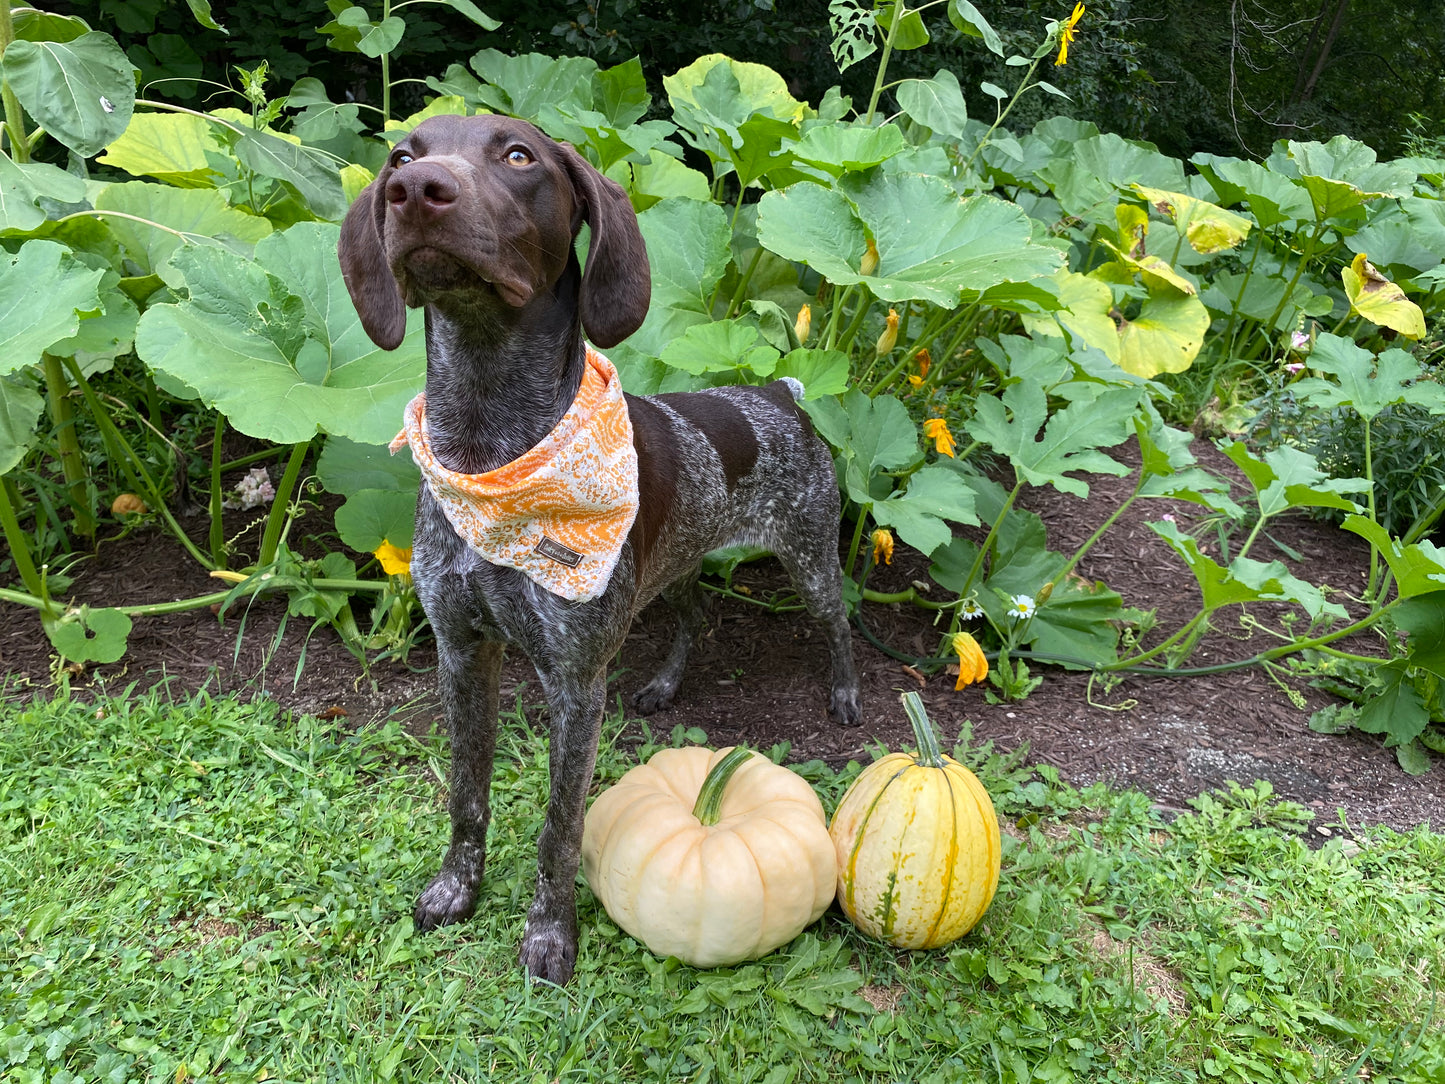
(889, 338)
(972, 665)
(803, 324)
(870, 259)
(882, 546)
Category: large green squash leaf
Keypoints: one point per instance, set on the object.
(1343, 173)
(275, 344)
(1086, 181)
(20, 407)
(23, 185)
(687, 251)
(932, 245)
(171, 147)
(81, 91)
(44, 291)
(197, 216)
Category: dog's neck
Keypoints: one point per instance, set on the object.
(498, 380)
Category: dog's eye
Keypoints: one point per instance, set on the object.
(518, 157)
(401, 158)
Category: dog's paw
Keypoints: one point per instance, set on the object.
(548, 951)
(845, 707)
(656, 695)
(446, 900)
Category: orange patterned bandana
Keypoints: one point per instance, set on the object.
(559, 513)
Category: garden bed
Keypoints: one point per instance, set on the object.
(756, 677)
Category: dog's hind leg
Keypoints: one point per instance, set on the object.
(470, 674)
(811, 561)
(685, 596)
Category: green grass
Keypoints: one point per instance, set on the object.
(214, 889)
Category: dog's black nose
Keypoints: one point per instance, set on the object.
(425, 189)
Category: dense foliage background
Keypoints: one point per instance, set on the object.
(1223, 76)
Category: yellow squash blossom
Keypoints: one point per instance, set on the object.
(925, 362)
(804, 323)
(889, 338)
(869, 263)
(1066, 35)
(972, 666)
(936, 430)
(882, 546)
(395, 561)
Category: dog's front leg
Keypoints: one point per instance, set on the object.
(549, 941)
(470, 673)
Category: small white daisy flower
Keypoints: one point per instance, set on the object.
(970, 609)
(1021, 607)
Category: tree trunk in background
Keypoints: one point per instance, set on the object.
(1304, 86)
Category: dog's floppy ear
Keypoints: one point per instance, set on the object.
(616, 283)
(364, 267)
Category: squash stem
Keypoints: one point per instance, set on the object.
(709, 798)
(929, 754)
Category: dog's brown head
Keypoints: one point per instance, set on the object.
(489, 206)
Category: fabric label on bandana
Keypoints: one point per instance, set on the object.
(561, 512)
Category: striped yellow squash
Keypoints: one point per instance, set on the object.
(918, 845)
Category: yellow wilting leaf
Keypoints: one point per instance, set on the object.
(1209, 227)
(1133, 227)
(1381, 301)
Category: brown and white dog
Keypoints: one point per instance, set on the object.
(474, 218)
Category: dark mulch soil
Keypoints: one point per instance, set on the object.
(760, 678)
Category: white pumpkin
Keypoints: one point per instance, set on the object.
(714, 858)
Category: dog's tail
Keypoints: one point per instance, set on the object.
(795, 386)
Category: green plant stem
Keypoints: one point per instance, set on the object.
(983, 552)
(1308, 254)
(710, 796)
(14, 115)
(999, 118)
(937, 324)
(266, 583)
(130, 463)
(1228, 336)
(911, 595)
(899, 11)
(217, 534)
(1100, 531)
(19, 548)
(853, 325)
(971, 316)
(929, 754)
(1370, 584)
(839, 301)
(275, 452)
(743, 281)
(857, 538)
(281, 503)
(72, 462)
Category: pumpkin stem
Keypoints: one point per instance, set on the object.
(928, 751)
(709, 798)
